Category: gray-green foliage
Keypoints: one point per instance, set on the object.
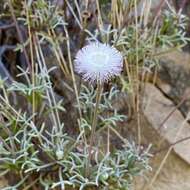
(27, 149)
(87, 98)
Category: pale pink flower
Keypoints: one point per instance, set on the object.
(98, 61)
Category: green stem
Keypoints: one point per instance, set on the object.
(94, 123)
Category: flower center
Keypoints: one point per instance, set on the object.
(99, 59)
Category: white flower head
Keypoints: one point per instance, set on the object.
(98, 62)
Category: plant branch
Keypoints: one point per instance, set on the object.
(172, 145)
(19, 34)
(94, 123)
(174, 109)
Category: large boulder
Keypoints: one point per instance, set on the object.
(170, 164)
(174, 73)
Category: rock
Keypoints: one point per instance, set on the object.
(156, 109)
(3, 183)
(175, 172)
(174, 175)
(175, 72)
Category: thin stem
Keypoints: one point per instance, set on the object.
(137, 76)
(94, 123)
(100, 22)
(125, 141)
(173, 110)
(108, 141)
(72, 72)
(32, 58)
(171, 145)
(19, 34)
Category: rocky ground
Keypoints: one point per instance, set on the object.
(171, 166)
(168, 100)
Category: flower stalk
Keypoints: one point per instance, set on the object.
(97, 63)
(94, 124)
